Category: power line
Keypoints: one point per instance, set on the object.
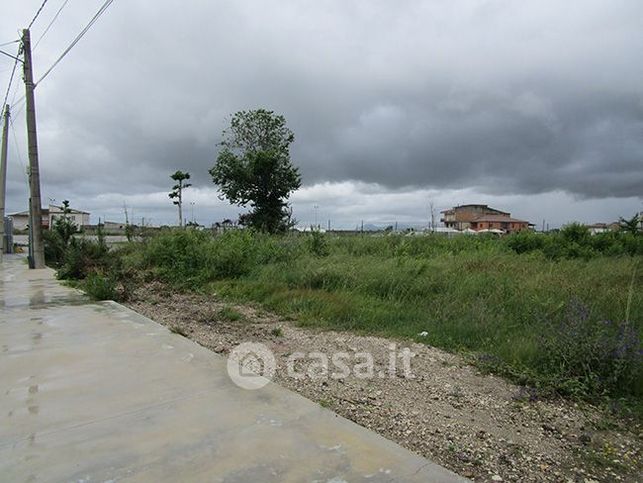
(15, 94)
(50, 24)
(22, 103)
(16, 146)
(9, 43)
(7, 54)
(13, 72)
(102, 9)
(37, 14)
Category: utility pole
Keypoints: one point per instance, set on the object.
(3, 179)
(432, 209)
(316, 207)
(35, 205)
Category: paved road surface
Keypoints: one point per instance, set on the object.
(23, 240)
(96, 392)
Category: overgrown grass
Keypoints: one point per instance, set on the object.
(560, 312)
(558, 325)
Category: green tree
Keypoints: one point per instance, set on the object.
(630, 225)
(64, 226)
(254, 169)
(177, 191)
(60, 237)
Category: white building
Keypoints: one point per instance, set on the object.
(80, 218)
(49, 215)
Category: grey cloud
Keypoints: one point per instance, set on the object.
(501, 97)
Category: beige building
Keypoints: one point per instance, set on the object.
(49, 215)
(481, 217)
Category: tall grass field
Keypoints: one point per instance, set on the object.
(560, 312)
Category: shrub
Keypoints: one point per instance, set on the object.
(179, 256)
(100, 287)
(525, 241)
(189, 258)
(574, 241)
(575, 232)
(583, 355)
(317, 244)
(81, 258)
(234, 253)
(54, 248)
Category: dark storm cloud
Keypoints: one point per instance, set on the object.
(497, 96)
(590, 145)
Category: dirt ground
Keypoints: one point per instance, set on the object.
(477, 425)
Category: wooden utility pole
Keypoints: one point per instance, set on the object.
(3, 178)
(35, 206)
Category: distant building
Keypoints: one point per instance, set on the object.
(596, 228)
(49, 215)
(113, 225)
(21, 219)
(80, 218)
(225, 225)
(481, 217)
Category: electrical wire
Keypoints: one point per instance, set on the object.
(9, 43)
(102, 9)
(7, 54)
(13, 72)
(37, 13)
(15, 94)
(16, 147)
(50, 24)
(22, 102)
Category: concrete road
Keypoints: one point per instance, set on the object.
(23, 240)
(96, 392)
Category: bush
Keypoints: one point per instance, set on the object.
(575, 241)
(583, 355)
(234, 253)
(179, 256)
(189, 258)
(525, 241)
(100, 287)
(317, 244)
(83, 257)
(575, 233)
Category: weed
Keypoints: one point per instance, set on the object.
(99, 287)
(317, 244)
(175, 329)
(230, 315)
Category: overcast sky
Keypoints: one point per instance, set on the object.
(534, 107)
